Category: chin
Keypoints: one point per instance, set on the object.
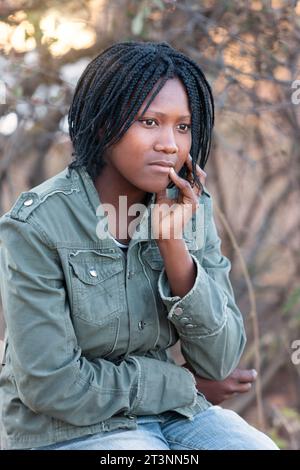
(156, 186)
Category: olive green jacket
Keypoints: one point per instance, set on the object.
(88, 328)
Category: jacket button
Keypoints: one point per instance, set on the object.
(131, 416)
(141, 325)
(93, 273)
(178, 311)
(28, 202)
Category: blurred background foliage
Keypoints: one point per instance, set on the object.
(250, 53)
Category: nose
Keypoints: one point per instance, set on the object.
(166, 143)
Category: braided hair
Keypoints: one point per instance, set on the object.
(112, 89)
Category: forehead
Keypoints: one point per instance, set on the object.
(172, 96)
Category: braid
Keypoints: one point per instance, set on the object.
(112, 89)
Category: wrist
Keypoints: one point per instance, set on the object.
(171, 244)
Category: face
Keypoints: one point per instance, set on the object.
(162, 135)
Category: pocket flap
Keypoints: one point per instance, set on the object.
(154, 258)
(93, 268)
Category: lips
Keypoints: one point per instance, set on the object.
(165, 163)
(160, 169)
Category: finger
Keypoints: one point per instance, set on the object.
(243, 387)
(200, 173)
(197, 190)
(184, 187)
(180, 182)
(199, 170)
(244, 375)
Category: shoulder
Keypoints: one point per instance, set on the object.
(30, 201)
(43, 211)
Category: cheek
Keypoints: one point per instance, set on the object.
(135, 143)
(188, 141)
(184, 142)
(184, 148)
(127, 159)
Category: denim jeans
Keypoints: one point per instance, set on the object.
(213, 429)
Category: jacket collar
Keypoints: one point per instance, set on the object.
(143, 228)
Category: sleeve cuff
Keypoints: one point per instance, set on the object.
(163, 387)
(202, 311)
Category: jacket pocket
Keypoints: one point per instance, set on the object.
(153, 257)
(98, 297)
(96, 279)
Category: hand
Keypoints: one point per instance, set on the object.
(216, 391)
(169, 215)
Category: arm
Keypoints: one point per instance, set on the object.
(216, 391)
(180, 270)
(51, 375)
(179, 265)
(207, 318)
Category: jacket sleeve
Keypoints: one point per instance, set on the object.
(208, 321)
(50, 373)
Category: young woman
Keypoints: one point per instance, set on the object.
(112, 261)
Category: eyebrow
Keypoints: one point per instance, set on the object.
(158, 113)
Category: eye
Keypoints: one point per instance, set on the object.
(148, 122)
(184, 127)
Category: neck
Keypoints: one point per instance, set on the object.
(109, 189)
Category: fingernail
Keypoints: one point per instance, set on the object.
(254, 373)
